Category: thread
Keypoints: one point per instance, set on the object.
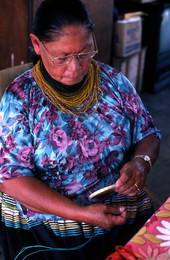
(46, 248)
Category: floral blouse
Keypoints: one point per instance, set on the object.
(73, 155)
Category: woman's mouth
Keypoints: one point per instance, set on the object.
(74, 79)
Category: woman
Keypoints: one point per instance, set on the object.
(70, 126)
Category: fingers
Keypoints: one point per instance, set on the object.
(120, 219)
(105, 216)
(115, 210)
(131, 180)
(117, 215)
(137, 187)
(135, 190)
(131, 188)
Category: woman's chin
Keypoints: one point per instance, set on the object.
(72, 81)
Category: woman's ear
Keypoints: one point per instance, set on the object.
(36, 43)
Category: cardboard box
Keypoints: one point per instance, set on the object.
(132, 67)
(142, 56)
(127, 37)
(128, 67)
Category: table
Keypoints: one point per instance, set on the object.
(152, 241)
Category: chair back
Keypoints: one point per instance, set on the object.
(9, 74)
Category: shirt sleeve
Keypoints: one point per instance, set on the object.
(16, 142)
(141, 120)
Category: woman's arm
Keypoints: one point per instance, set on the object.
(39, 197)
(148, 146)
(136, 170)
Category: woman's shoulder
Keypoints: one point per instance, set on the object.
(114, 79)
(24, 78)
(108, 69)
(20, 86)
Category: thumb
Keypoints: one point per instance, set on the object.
(115, 210)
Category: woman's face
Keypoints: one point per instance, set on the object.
(73, 40)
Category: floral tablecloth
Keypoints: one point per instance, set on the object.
(152, 241)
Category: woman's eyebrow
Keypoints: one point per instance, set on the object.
(61, 52)
(87, 45)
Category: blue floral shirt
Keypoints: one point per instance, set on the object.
(73, 155)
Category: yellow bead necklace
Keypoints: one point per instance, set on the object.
(75, 103)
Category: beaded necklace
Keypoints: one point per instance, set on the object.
(60, 87)
(78, 102)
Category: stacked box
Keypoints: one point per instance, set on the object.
(132, 67)
(127, 36)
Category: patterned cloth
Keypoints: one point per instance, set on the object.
(73, 155)
(153, 239)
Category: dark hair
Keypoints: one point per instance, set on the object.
(53, 15)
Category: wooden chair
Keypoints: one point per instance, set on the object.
(9, 74)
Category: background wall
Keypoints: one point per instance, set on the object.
(13, 32)
(102, 16)
(16, 19)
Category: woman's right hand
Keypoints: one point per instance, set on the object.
(105, 216)
(38, 197)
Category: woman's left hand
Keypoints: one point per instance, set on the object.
(132, 178)
(133, 174)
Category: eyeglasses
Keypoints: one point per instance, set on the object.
(67, 59)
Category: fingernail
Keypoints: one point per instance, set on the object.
(122, 209)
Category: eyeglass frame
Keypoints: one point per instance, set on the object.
(73, 55)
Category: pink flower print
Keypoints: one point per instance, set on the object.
(119, 134)
(91, 175)
(78, 130)
(111, 158)
(10, 142)
(90, 149)
(4, 175)
(150, 253)
(1, 161)
(73, 187)
(51, 116)
(2, 157)
(0, 117)
(131, 104)
(15, 172)
(70, 162)
(59, 139)
(164, 256)
(164, 231)
(104, 108)
(103, 113)
(22, 95)
(46, 161)
(19, 91)
(37, 128)
(24, 156)
(103, 171)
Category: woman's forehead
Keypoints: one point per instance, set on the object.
(72, 31)
(71, 38)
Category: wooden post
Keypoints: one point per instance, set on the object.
(102, 16)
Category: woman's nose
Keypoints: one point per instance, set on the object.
(74, 64)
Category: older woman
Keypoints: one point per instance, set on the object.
(70, 126)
